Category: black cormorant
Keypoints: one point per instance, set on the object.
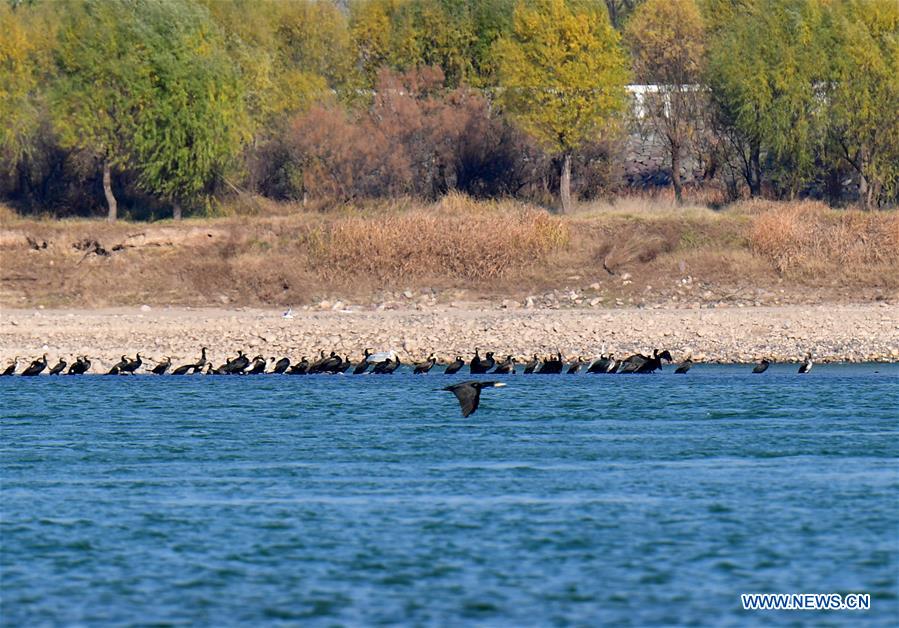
(807, 365)
(422, 368)
(386, 367)
(118, 368)
(684, 366)
(257, 367)
(574, 368)
(506, 367)
(364, 364)
(552, 365)
(762, 366)
(280, 366)
(132, 365)
(36, 367)
(58, 367)
(300, 368)
(11, 369)
(603, 365)
(162, 367)
(532, 366)
(80, 366)
(469, 394)
(640, 363)
(455, 366)
(477, 366)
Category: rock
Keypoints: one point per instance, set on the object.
(408, 294)
(145, 308)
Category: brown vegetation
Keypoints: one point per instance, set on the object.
(638, 252)
(810, 239)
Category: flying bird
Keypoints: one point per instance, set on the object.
(469, 394)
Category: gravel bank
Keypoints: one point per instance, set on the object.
(855, 333)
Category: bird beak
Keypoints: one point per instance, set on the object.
(498, 385)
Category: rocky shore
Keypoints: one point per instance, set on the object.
(856, 333)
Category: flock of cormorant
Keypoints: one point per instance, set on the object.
(468, 393)
(382, 363)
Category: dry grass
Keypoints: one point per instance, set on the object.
(801, 239)
(456, 238)
(288, 254)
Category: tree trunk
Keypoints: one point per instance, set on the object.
(755, 172)
(675, 172)
(864, 186)
(176, 210)
(565, 183)
(110, 197)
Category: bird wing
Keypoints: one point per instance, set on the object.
(469, 397)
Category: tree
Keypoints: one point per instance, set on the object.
(863, 94)
(146, 85)
(562, 77)
(666, 38)
(196, 121)
(104, 84)
(765, 69)
(24, 50)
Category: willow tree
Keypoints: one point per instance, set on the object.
(25, 41)
(666, 38)
(146, 86)
(185, 138)
(562, 75)
(863, 94)
(104, 84)
(766, 66)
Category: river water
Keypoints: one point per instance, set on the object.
(341, 500)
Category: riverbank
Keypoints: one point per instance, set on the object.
(854, 333)
(626, 253)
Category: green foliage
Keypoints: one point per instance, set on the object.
(765, 71)
(863, 93)
(147, 85)
(562, 72)
(456, 35)
(25, 42)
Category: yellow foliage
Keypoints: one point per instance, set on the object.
(562, 73)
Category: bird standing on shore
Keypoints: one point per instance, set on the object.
(807, 365)
(58, 367)
(506, 367)
(130, 366)
(477, 366)
(422, 368)
(11, 369)
(162, 366)
(532, 366)
(469, 394)
(640, 363)
(257, 367)
(80, 366)
(455, 366)
(281, 366)
(574, 368)
(364, 364)
(552, 365)
(36, 367)
(604, 365)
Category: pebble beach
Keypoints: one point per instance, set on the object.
(832, 333)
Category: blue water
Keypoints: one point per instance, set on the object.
(341, 500)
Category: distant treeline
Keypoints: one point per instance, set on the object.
(170, 104)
